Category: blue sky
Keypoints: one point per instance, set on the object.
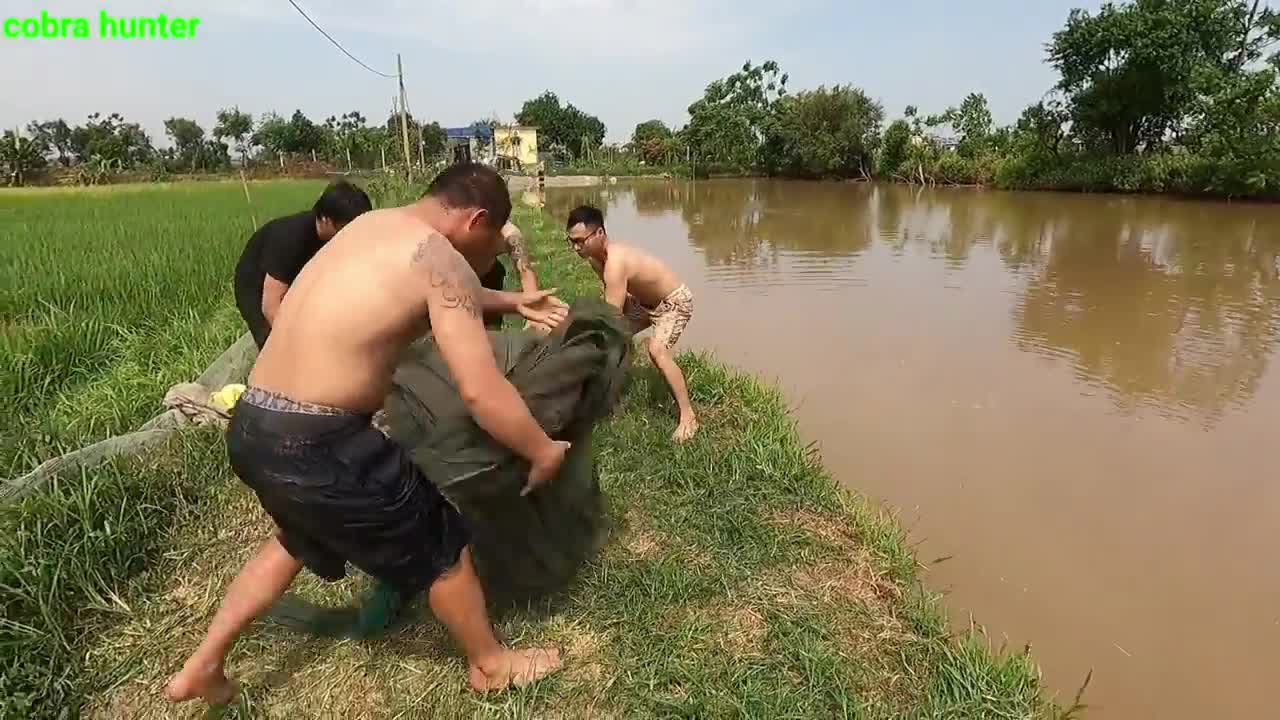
(623, 60)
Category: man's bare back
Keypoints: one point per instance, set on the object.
(355, 306)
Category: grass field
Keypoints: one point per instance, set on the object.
(111, 296)
(739, 581)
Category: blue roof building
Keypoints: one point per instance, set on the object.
(484, 132)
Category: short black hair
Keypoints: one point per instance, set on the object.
(587, 215)
(473, 185)
(342, 202)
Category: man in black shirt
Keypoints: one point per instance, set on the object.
(278, 250)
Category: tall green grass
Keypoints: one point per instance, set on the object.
(69, 555)
(111, 296)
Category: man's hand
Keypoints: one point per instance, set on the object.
(542, 309)
(538, 328)
(545, 466)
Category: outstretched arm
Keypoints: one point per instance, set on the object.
(520, 253)
(453, 304)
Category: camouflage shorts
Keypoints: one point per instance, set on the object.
(668, 319)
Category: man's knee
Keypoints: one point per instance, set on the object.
(658, 349)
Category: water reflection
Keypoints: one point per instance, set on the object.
(1168, 304)
(1164, 303)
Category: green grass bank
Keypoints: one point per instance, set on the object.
(739, 579)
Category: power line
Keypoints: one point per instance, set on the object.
(336, 43)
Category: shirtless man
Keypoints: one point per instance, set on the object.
(341, 491)
(647, 293)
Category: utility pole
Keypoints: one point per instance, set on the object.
(422, 155)
(404, 122)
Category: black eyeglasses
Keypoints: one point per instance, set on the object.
(578, 241)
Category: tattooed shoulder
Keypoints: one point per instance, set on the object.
(452, 283)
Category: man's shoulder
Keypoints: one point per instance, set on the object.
(291, 221)
(294, 226)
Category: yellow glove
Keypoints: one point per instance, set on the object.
(226, 398)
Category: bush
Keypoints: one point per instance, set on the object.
(1164, 172)
(893, 149)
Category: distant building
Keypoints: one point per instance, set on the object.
(473, 143)
(944, 142)
(511, 147)
(517, 146)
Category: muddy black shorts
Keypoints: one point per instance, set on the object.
(340, 491)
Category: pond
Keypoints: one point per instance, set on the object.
(1067, 399)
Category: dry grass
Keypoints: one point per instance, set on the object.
(641, 541)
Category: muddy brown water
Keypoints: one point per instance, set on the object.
(1068, 398)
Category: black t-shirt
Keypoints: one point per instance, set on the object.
(279, 249)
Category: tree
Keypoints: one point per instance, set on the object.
(304, 135)
(237, 126)
(1040, 130)
(727, 124)
(893, 149)
(21, 158)
(971, 122)
(823, 133)
(188, 140)
(112, 141)
(349, 137)
(652, 141)
(295, 135)
(650, 130)
(272, 133)
(395, 139)
(562, 127)
(434, 139)
(1128, 71)
(55, 135)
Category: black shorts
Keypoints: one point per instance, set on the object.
(340, 491)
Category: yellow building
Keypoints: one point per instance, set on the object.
(516, 145)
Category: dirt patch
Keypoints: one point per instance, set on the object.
(736, 630)
(832, 529)
(744, 630)
(640, 540)
(848, 573)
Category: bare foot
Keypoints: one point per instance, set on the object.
(516, 668)
(201, 681)
(685, 430)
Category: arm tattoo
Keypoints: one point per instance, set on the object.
(519, 252)
(451, 279)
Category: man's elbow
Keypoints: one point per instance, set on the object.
(475, 393)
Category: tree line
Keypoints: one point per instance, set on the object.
(103, 146)
(1152, 95)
